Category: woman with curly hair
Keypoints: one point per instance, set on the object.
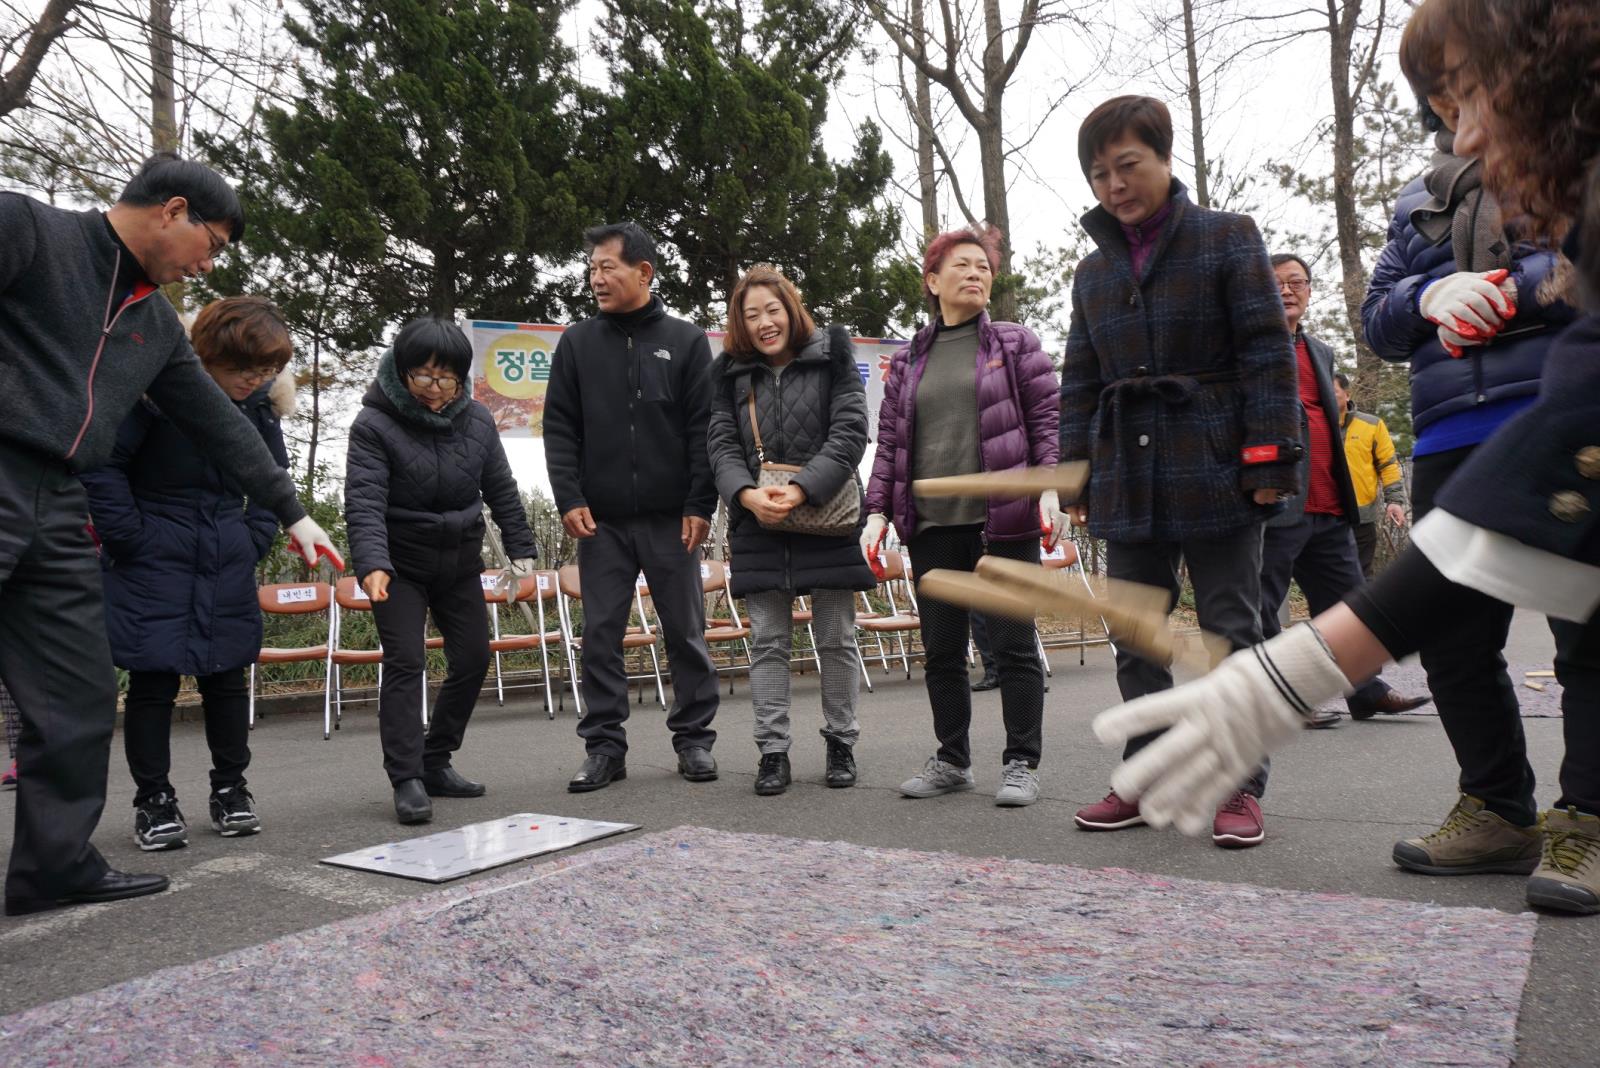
(1518, 523)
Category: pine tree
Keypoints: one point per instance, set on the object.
(715, 146)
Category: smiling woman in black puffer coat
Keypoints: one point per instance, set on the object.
(424, 459)
(812, 412)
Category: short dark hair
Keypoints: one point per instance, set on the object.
(637, 246)
(433, 338)
(166, 175)
(1281, 258)
(1143, 116)
(241, 334)
(1343, 380)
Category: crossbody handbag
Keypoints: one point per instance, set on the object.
(835, 517)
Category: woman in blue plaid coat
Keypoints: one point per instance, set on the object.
(1179, 389)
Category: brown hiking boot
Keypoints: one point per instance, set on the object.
(1568, 876)
(1472, 841)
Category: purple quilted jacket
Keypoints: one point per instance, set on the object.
(1019, 424)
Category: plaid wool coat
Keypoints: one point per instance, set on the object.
(1179, 386)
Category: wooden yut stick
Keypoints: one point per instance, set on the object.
(1067, 480)
(1134, 614)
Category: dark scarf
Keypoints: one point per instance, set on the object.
(1460, 211)
(408, 407)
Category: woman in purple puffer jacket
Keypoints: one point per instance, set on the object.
(968, 395)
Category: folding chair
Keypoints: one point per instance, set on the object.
(298, 599)
(898, 621)
(348, 596)
(639, 637)
(1066, 557)
(714, 583)
(539, 588)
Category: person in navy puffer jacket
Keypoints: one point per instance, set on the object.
(1475, 311)
(179, 549)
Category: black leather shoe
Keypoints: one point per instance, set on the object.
(772, 774)
(447, 782)
(411, 804)
(990, 681)
(1390, 704)
(696, 765)
(841, 765)
(112, 886)
(598, 772)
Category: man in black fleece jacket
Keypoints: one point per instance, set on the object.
(84, 332)
(625, 443)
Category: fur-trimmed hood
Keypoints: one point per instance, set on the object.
(282, 394)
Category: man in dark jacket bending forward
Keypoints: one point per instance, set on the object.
(84, 332)
(625, 442)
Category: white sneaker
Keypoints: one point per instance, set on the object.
(1019, 786)
(937, 778)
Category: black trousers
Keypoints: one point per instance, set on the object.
(55, 660)
(1413, 607)
(1366, 547)
(608, 565)
(944, 640)
(147, 728)
(1226, 575)
(1474, 694)
(1319, 553)
(456, 602)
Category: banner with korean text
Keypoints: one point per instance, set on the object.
(511, 369)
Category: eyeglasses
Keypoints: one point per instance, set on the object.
(446, 383)
(257, 375)
(216, 241)
(1299, 285)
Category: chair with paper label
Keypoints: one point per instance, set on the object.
(723, 630)
(348, 596)
(538, 590)
(634, 638)
(298, 599)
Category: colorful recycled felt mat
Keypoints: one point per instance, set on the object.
(1538, 692)
(701, 947)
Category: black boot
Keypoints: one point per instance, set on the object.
(772, 774)
(411, 804)
(448, 782)
(990, 681)
(841, 764)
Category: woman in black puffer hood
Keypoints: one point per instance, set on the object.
(424, 459)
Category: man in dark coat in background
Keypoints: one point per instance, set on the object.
(1313, 541)
(625, 443)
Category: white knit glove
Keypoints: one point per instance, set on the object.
(310, 541)
(522, 568)
(1221, 726)
(872, 535)
(1470, 308)
(1052, 520)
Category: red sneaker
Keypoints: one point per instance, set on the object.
(1110, 814)
(1238, 822)
(8, 781)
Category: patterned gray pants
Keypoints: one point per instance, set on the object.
(771, 645)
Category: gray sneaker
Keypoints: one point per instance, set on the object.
(938, 778)
(1019, 785)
